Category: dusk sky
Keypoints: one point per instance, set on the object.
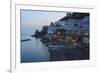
(32, 20)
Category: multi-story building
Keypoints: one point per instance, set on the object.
(84, 24)
(77, 24)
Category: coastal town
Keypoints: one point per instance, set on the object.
(67, 38)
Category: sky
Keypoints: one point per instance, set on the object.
(32, 20)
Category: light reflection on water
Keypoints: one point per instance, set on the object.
(33, 50)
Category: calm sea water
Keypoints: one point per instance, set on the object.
(33, 50)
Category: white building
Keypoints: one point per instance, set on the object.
(84, 24)
(71, 25)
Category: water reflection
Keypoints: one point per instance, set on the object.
(33, 50)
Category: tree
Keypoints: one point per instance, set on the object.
(44, 30)
(37, 33)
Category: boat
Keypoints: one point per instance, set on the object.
(25, 40)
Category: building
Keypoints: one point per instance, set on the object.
(51, 28)
(74, 23)
(84, 24)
